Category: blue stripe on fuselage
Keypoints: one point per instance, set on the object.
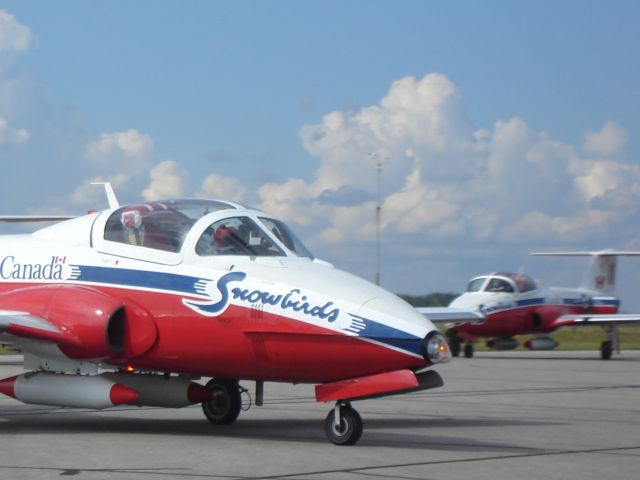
(388, 335)
(530, 301)
(606, 301)
(125, 277)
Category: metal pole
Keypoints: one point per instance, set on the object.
(378, 220)
(373, 155)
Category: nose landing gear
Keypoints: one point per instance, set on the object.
(343, 425)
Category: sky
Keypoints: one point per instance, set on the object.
(501, 127)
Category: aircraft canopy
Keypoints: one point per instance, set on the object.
(165, 226)
(502, 282)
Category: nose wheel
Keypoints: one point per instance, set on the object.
(343, 425)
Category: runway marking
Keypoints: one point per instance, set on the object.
(361, 470)
(370, 471)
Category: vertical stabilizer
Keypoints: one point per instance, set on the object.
(601, 274)
(111, 195)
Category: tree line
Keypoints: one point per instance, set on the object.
(438, 299)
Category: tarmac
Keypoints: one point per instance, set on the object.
(500, 416)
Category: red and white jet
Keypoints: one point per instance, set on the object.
(133, 304)
(514, 304)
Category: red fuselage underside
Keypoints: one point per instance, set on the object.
(242, 343)
(517, 321)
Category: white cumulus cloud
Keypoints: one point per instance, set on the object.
(10, 135)
(610, 140)
(167, 181)
(130, 144)
(93, 196)
(424, 116)
(14, 37)
(224, 188)
(444, 179)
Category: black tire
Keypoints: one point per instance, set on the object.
(468, 350)
(606, 349)
(349, 430)
(225, 404)
(454, 345)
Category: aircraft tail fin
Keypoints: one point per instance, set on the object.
(111, 195)
(601, 273)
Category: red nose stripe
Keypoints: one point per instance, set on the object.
(7, 386)
(121, 395)
(197, 393)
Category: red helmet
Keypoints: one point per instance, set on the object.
(223, 235)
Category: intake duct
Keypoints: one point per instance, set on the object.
(116, 330)
(92, 324)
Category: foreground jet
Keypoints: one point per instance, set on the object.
(130, 305)
(514, 304)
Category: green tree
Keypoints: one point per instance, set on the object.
(437, 299)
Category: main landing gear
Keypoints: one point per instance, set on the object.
(343, 425)
(468, 350)
(606, 350)
(455, 345)
(225, 404)
(606, 347)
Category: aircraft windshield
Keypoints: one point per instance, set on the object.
(499, 285)
(158, 225)
(476, 284)
(237, 236)
(286, 236)
(524, 283)
(503, 282)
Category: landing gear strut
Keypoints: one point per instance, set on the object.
(225, 404)
(343, 425)
(606, 347)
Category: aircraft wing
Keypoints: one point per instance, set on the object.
(25, 325)
(586, 319)
(34, 218)
(449, 315)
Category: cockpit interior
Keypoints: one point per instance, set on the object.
(235, 230)
(502, 282)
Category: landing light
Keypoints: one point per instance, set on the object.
(436, 349)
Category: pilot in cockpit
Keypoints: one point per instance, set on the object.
(236, 236)
(220, 240)
(226, 240)
(499, 285)
(132, 227)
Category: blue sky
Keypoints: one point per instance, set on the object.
(503, 127)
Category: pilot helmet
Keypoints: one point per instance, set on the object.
(223, 235)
